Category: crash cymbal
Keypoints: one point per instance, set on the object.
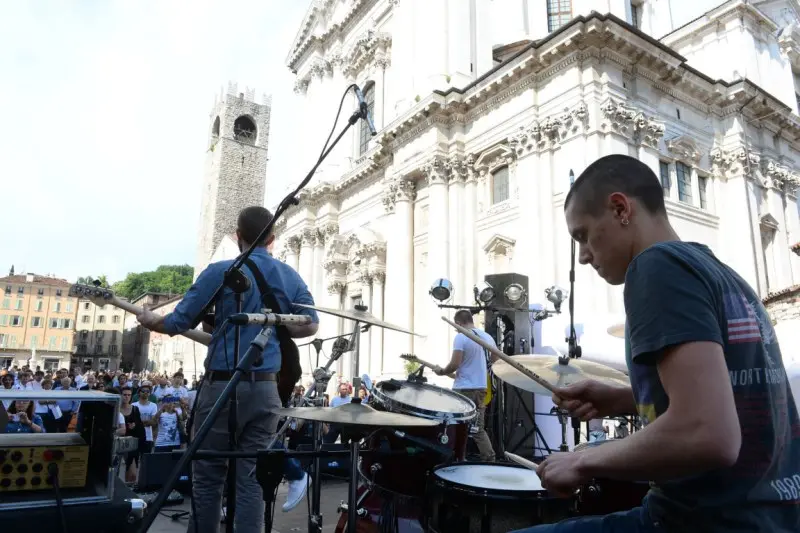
(354, 414)
(617, 330)
(548, 368)
(365, 317)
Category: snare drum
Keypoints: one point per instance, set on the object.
(489, 498)
(406, 474)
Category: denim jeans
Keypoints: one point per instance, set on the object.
(636, 520)
(292, 470)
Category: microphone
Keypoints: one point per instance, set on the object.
(423, 443)
(571, 178)
(362, 104)
(317, 344)
(268, 319)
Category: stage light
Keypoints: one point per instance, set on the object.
(515, 294)
(484, 292)
(441, 290)
(557, 296)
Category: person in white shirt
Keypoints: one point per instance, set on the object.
(162, 389)
(170, 419)
(147, 410)
(469, 362)
(178, 388)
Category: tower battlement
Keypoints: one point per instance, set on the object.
(232, 96)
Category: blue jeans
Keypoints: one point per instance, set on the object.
(292, 470)
(636, 520)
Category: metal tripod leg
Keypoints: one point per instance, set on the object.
(315, 517)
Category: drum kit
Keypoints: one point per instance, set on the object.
(408, 467)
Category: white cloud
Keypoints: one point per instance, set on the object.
(105, 121)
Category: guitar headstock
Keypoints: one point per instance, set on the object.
(96, 295)
(409, 357)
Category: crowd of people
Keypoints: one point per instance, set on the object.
(154, 408)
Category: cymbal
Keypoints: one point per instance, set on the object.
(617, 330)
(548, 367)
(354, 414)
(365, 317)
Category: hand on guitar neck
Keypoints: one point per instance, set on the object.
(436, 368)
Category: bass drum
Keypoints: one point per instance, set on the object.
(405, 473)
(489, 498)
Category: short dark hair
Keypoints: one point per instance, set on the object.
(464, 316)
(252, 221)
(617, 173)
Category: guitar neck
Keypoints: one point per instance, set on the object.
(198, 336)
(432, 366)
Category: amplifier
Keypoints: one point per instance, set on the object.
(123, 445)
(24, 459)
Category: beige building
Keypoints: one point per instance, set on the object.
(37, 319)
(136, 339)
(98, 336)
(169, 354)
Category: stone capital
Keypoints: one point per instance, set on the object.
(406, 191)
(632, 123)
(293, 244)
(336, 287)
(436, 171)
(548, 132)
(389, 196)
(300, 86)
(308, 237)
(457, 168)
(378, 277)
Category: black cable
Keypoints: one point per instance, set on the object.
(336, 120)
(52, 469)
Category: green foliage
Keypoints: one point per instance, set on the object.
(410, 366)
(89, 280)
(168, 279)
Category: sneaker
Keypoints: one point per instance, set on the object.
(297, 491)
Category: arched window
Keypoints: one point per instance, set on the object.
(244, 130)
(364, 134)
(500, 185)
(215, 129)
(559, 12)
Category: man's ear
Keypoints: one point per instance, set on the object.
(270, 240)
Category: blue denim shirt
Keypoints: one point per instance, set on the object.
(287, 286)
(18, 427)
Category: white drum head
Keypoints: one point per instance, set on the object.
(491, 477)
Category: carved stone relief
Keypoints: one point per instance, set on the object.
(550, 131)
(632, 123)
(685, 149)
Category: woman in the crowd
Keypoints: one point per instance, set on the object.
(133, 428)
(23, 419)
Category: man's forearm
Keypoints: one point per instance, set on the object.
(625, 404)
(300, 332)
(668, 448)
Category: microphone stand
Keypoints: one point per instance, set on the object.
(235, 279)
(574, 351)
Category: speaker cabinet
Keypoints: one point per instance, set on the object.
(508, 323)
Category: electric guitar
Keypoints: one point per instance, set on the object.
(414, 359)
(102, 296)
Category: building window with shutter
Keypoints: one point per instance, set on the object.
(684, 175)
(500, 185)
(559, 12)
(666, 181)
(364, 133)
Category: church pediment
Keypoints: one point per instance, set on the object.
(494, 157)
(499, 245)
(683, 147)
(769, 221)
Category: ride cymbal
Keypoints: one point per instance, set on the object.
(549, 369)
(364, 317)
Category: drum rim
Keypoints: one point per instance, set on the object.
(446, 417)
(478, 491)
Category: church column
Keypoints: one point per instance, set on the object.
(376, 344)
(307, 240)
(399, 198)
(316, 287)
(332, 324)
(293, 251)
(438, 252)
(470, 230)
(456, 230)
(365, 353)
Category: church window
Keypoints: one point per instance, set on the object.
(559, 12)
(702, 184)
(636, 16)
(684, 174)
(500, 185)
(364, 134)
(215, 129)
(666, 182)
(244, 130)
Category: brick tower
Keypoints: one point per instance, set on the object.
(236, 165)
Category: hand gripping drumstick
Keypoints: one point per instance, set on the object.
(521, 461)
(510, 360)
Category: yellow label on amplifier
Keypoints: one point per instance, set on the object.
(24, 468)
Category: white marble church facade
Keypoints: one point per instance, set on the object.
(482, 112)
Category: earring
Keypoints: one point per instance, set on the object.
(625, 221)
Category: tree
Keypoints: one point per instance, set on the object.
(410, 367)
(167, 279)
(89, 280)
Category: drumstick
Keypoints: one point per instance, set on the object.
(535, 377)
(521, 461)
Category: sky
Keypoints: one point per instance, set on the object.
(106, 118)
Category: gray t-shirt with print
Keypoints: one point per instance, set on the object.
(679, 292)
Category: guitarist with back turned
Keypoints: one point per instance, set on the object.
(469, 364)
(257, 393)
